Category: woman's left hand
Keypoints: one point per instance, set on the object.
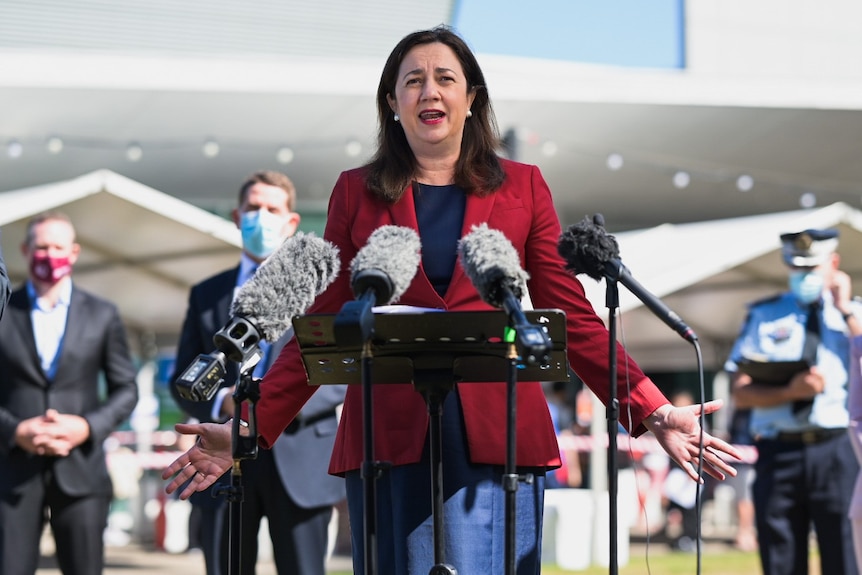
(677, 429)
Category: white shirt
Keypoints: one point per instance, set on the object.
(49, 325)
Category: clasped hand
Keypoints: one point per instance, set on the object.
(806, 384)
(52, 434)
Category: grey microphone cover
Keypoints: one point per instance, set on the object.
(287, 283)
(393, 250)
(491, 262)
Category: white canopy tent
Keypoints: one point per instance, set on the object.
(707, 272)
(140, 248)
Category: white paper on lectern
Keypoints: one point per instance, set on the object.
(404, 309)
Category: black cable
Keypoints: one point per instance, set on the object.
(702, 422)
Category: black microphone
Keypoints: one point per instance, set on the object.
(284, 286)
(492, 264)
(588, 248)
(380, 273)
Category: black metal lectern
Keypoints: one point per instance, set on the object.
(433, 350)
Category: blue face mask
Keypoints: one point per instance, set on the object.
(806, 286)
(261, 232)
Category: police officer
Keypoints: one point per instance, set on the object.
(806, 468)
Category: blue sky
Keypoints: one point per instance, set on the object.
(618, 32)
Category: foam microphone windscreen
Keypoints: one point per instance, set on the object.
(287, 283)
(492, 264)
(587, 247)
(391, 251)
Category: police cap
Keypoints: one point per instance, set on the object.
(808, 248)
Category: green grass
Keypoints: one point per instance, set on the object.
(661, 562)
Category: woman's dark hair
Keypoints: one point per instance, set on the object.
(393, 166)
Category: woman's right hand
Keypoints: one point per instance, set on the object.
(207, 460)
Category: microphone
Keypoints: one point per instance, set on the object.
(588, 248)
(386, 264)
(492, 264)
(380, 273)
(283, 287)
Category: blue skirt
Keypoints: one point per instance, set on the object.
(474, 512)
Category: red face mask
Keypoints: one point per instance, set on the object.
(49, 270)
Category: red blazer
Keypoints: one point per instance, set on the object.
(523, 210)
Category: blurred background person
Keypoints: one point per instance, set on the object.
(58, 343)
(746, 531)
(680, 498)
(289, 484)
(806, 467)
(569, 474)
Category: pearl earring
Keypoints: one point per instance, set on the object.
(396, 117)
(469, 113)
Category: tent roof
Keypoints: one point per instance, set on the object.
(140, 248)
(707, 272)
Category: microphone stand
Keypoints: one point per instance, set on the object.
(434, 385)
(530, 343)
(510, 475)
(354, 325)
(372, 469)
(244, 446)
(612, 297)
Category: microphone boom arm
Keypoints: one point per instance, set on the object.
(615, 270)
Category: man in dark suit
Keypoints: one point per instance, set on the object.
(56, 341)
(288, 484)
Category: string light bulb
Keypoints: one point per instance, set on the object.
(744, 183)
(681, 180)
(284, 155)
(614, 162)
(210, 148)
(134, 152)
(14, 149)
(808, 200)
(54, 145)
(353, 148)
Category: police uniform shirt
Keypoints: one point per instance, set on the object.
(775, 331)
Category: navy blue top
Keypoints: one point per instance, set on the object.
(440, 213)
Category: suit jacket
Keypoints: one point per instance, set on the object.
(94, 344)
(523, 210)
(302, 457)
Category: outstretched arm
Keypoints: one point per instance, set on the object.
(207, 460)
(678, 431)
